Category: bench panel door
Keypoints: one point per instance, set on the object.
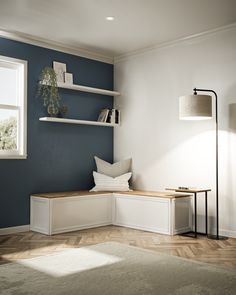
(147, 213)
(81, 212)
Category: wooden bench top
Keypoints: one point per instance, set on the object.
(168, 195)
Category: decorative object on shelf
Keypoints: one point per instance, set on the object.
(199, 107)
(48, 90)
(110, 116)
(62, 111)
(60, 70)
(103, 115)
(114, 116)
(68, 78)
(117, 118)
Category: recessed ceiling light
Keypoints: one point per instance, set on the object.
(110, 18)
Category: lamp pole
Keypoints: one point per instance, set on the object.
(195, 90)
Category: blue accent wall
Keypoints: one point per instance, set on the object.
(60, 156)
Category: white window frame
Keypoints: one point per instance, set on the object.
(21, 107)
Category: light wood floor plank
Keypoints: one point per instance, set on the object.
(31, 244)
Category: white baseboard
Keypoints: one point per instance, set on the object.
(222, 232)
(228, 233)
(24, 228)
(14, 229)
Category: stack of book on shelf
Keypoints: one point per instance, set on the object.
(109, 116)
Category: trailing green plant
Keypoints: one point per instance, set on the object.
(48, 90)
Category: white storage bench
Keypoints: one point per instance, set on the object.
(165, 213)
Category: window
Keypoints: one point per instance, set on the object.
(13, 108)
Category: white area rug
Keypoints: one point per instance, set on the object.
(113, 269)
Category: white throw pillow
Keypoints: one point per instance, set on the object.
(115, 169)
(107, 183)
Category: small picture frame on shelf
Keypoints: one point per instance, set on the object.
(60, 69)
(68, 78)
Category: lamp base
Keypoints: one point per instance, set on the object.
(215, 237)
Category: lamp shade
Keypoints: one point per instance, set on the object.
(195, 107)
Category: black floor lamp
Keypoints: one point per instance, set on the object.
(199, 107)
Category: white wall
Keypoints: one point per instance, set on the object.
(168, 152)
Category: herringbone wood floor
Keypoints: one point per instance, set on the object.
(31, 244)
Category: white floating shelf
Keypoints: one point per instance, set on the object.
(87, 89)
(73, 121)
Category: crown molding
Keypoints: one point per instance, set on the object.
(37, 41)
(82, 52)
(199, 36)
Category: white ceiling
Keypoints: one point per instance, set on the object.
(138, 23)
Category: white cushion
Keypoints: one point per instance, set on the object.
(115, 169)
(107, 183)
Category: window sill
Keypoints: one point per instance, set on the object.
(13, 157)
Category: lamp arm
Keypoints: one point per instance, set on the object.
(216, 98)
(217, 164)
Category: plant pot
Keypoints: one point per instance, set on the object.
(52, 111)
(62, 111)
